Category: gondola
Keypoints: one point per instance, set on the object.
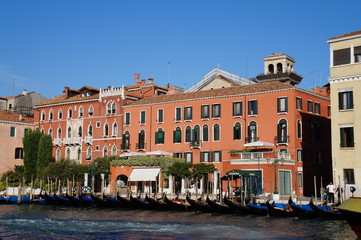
(113, 201)
(14, 200)
(218, 208)
(100, 202)
(50, 199)
(141, 203)
(62, 200)
(351, 211)
(126, 202)
(237, 207)
(178, 206)
(88, 201)
(258, 209)
(158, 205)
(278, 209)
(78, 201)
(326, 212)
(197, 206)
(304, 211)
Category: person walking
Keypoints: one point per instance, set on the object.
(331, 192)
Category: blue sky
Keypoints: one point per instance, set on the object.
(46, 45)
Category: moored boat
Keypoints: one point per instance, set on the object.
(218, 207)
(141, 203)
(279, 209)
(351, 211)
(198, 206)
(304, 211)
(178, 205)
(237, 207)
(258, 209)
(158, 205)
(126, 202)
(326, 212)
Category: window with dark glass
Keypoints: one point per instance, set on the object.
(114, 107)
(188, 134)
(216, 133)
(12, 131)
(178, 114)
(349, 176)
(126, 141)
(159, 136)
(216, 110)
(341, 56)
(141, 140)
(298, 103)
(81, 112)
(299, 129)
(282, 105)
(205, 111)
(19, 153)
(51, 115)
(106, 129)
(188, 113)
(346, 137)
(70, 113)
(160, 116)
(282, 131)
(317, 108)
(300, 179)
(317, 131)
(252, 107)
(299, 155)
(142, 117)
(237, 131)
(217, 156)
(205, 157)
(80, 131)
(196, 136)
(189, 157)
(127, 118)
(177, 135)
(91, 111)
(309, 106)
(60, 114)
(252, 132)
(237, 109)
(177, 155)
(329, 111)
(43, 115)
(90, 130)
(205, 133)
(357, 54)
(345, 100)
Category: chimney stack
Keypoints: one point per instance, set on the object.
(136, 78)
(25, 92)
(66, 91)
(150, 80)
(143, 81)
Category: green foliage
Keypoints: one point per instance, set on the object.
(102, 165)
(181, 169)
(44, 154)
(14, 176)
(65, 169)
(200, 169)
(31, 145)
(237, 152)
(2, 185)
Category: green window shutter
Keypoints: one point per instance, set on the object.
(12, 131)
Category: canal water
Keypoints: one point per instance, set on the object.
(51, 222)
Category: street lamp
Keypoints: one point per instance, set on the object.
(275, 162)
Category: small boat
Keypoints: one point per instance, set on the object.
(158, 205)
(198, 206)
(258, 209)
(237, 207)
(62, 200)
(88, 200)
(78, 201)
(218, 207)
(304, 211)
(14, 199)
(326, 212)
(178, 205)
(99, 202)
(351, 211)
(279, 209)
(125, 202)
(141, 203)
(113, 201)
(50, 199)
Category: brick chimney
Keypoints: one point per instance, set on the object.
(66, 91)
(150, 80)
(136, 78)
(143, 81)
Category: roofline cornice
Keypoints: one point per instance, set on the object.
(66, 103)
(343, 38)
(345, 78)
(18, 123)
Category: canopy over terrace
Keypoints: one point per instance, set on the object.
(144, 174)
(159, 153)
(236, 173)
(258, 144)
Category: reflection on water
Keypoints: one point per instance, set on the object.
(50, 222)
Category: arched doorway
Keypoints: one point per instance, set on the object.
(122, 183)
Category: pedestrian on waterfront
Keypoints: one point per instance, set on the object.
(331, 192)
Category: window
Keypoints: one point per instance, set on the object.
(349, 176)
(115, 129)
(68, 153)
(216, 133)
(177, 135)
(196, 136)
(252, 132)
(142, 117)
(317, 108)
(81, 112)
(178, 114)
(205, 111)
(160, 116)
(159, 136)
(106, 129)
(50, 132)
(188, 156)
(253, 107)
(91, 111)
(12, 131)
(26, 130)
(177, 155)
(126, 141)
(205, 157)
(70, 113)
(141, 140)
(298, 103)
(188, 134)
(317, 131)
(282, 105)
(216, 110)
(299, 129)
(329, 111)
(114, 151)
(237, 109)
(79, 154)
(18, 153)
(51, 115)
(188, 113)
(217, 156)
(357, 54)
(282, 131)
(105, 151)
(345, 100)
(60, 114)
(299, 155)
(69, 132)
(98, 124)
(57, 155)
(42, 116)
(90, 130)
(59, 132)
(205, 133)
(114, 107)
(109, 108)
(309, 106)
(80, 131)
(300, 179)
(89, 154)
(346, 137)
(237, 131)
(341, 56)
(127, 118)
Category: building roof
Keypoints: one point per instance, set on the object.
(346, 35)
(14, 117)
(220, 92)
(278, 55)
(62, 99)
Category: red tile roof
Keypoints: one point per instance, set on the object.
(346, 35)
(63, 99)
(14, 117)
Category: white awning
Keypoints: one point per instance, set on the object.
(259, 144)
(144, 174)
(159, 153)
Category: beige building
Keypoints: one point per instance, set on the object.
(12, 129)
(345, 81)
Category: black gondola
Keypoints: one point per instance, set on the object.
(237, 207)
(158, 205)
(197, 206)
(126, 202)
(218, 208)
(278, 209)
(304, 211)
(62, 200)
(100, 202)
(113, 202)
(77, 201)
(141, 203)
(178, 206)
(326, 212)
(258, 209)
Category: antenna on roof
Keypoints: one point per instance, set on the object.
(169, 69)
(313, 77)
(13, 86)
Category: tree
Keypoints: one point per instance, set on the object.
(45, 149)
(31, 145)
(65, 169)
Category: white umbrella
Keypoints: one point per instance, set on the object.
(130, 154)
(159, 153)
(259, 144)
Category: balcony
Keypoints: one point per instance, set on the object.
(125, 146)
(195, 144)
(283, 139)
(67, 141)
(57, 141)
(261, 157)
(252, 139)
(140, 146)
(76, 141)
(89, 140)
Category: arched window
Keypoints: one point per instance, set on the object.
(50, 132)
(159, 136)
(91, 111)
(279, 68)
(43, 115)
(115, 129)
(237, 131)
(60, 114)
(90, 130)
(109, 108)
(70, 113)
(114, 151)
(196, 134)
(216, 132)
(89, 153)
(188, 134)
(79, 154)
(105, 151)
(299, 129)
(80, 131)
(252, 132)
(141, 140)
(282, 131)
(57, 156)
(271, 69)
(106, 129)
(177, 135)
(69, 132)
(59, 132)
(68, 153)
(51, 115)
(126, 141)
(42, 131)
(205, 133)
(114, 107)
(81, 112)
